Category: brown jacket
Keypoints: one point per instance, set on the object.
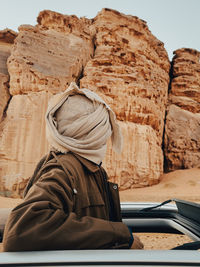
(66, 206)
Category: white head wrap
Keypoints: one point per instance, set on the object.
(78, 120)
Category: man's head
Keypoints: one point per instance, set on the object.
(78, 120)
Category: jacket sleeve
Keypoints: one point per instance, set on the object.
(46, 221)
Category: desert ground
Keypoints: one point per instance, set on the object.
(182, 184)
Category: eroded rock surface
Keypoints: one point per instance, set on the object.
(23, 140)
(44, 58)
(141, 161)
(7, 36)
(6, 41)
(130, 69)
(182, 134)
(4, 94)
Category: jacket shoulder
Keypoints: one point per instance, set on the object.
(69, 161)
(65, 162)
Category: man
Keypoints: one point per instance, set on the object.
(68, 203)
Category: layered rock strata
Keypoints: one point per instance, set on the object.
(7, 36)
(130, 69)
(44, 60)
(182, 130)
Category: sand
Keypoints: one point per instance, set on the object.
(182, 184)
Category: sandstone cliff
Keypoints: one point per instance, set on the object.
(182, 134)
(44, 60)
(130, 68)
(113, 54)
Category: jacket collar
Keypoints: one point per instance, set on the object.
(91, 166)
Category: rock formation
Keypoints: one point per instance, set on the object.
(4, 93)
(130, 68)
(23, 137)
(116, 56)
(44, 60)
(182, 134)
(6, 40)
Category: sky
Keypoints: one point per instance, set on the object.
(174, 22)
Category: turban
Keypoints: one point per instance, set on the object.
(78, 120)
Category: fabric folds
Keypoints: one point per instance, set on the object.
(78, 120)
